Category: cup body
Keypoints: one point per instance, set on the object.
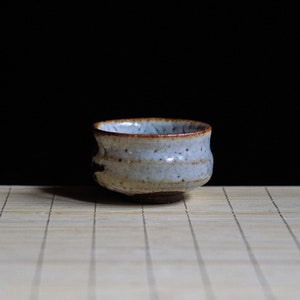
(155, 155)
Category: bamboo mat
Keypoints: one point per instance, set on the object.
(234, 242)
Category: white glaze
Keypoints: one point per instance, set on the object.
(152, 155)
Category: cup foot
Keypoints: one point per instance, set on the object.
(156, 198)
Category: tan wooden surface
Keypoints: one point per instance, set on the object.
(233, 242)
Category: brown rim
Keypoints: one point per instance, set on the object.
(206, 127)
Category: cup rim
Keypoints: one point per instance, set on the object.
(206, 128)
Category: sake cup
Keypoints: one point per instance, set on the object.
(154, 160)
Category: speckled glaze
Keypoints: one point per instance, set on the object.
(152, 157)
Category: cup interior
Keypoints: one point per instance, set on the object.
(152, 126)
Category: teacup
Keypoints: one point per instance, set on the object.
(152, 159)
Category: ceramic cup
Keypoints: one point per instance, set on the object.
(153, 159)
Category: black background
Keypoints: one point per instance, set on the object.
(63, 68)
